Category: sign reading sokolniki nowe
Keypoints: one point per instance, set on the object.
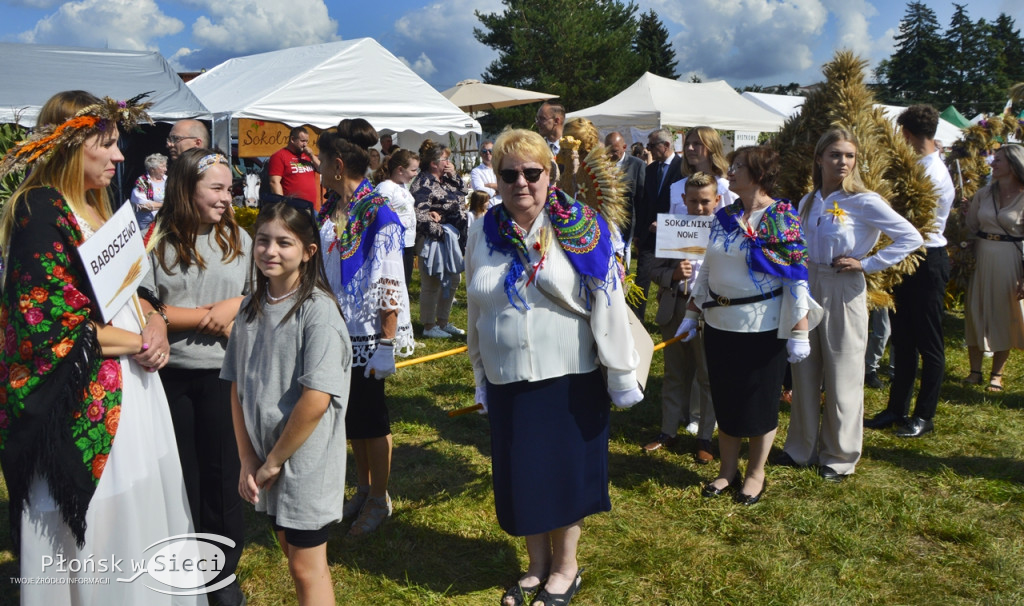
(115, 261)
(682, 236)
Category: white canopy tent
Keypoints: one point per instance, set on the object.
(789, 106)
(786, 106)
(321, 84)
(34, 73)
(655, 102)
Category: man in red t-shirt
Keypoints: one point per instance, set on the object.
(293, 170)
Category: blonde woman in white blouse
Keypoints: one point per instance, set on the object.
(842, 222)
(545, 303)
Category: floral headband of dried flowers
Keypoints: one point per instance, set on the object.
(86, 122)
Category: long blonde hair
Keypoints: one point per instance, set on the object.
(712, 142)
(852, 182)
(63, 170)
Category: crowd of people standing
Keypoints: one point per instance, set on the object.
(273, 350)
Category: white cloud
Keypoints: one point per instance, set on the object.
(249, 26)
(441, 36)
(852, 17)
(423, 65)
(762, 40)
(121, 24)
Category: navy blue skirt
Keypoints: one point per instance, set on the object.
(549, 451)
(746, 370)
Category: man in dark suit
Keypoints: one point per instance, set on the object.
(662, 172)
(635, 171)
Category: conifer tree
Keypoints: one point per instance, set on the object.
(653, 48)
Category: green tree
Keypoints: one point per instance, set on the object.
(962, 78)
(653, 48)
(1004, 60)
(913, 73)
(579, 50)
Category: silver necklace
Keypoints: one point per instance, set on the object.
(274, 299)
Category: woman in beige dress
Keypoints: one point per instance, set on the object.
(995, 314)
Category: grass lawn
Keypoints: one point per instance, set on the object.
(936, 520)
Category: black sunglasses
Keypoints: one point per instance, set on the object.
(531, 175)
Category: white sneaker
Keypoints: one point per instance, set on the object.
(453, 330)
(436, 333)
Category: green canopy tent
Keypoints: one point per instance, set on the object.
(950, 114)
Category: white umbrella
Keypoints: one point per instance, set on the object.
(475, 96)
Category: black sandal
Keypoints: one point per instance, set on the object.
(547, 598)
(968, 381)
(518, 593)
(994, 387)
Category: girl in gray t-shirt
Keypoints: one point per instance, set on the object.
(289, 392)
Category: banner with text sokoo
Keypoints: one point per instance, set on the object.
(682, 236)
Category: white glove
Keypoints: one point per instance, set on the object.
(798, 349)
(382, 363)
(688, 327)
(481, 398)
(626, 398)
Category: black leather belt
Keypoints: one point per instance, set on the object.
(999, 237)
(718, 300)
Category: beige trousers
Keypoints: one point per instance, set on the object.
(832, 434)
(685, 389)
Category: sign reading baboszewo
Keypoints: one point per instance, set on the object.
(115, 261)
(682, 236)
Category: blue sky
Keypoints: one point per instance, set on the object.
(741, 41)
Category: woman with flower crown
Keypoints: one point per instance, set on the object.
(753, 292)
(86, 443)
(546, 307)
(842, 222)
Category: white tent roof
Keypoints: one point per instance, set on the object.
(34, 73)
(947, 132)
(653, 102)
(321, 84)
(786, 106)
(790, 106)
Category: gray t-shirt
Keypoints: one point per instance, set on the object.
(193, 287)
(271, 363)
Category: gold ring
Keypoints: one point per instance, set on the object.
(162, 354)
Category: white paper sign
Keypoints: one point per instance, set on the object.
(682, 236)
(115, 261)
(742, 138)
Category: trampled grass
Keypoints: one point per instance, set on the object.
(938, 520)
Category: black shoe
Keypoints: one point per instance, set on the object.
(871, 380)
(783, 459)
(746, 499)
(882, 420)
(915, 427)
(559, 599)
(230, 595)
(709, 490)
(830, 475)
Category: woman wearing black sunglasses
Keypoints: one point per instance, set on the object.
(545, 303)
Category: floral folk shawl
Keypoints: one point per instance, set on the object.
(368, 213)
(777, 247)
(580, 231)
(60, 401)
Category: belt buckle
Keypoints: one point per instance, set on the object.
(992, 236)
(723, 300)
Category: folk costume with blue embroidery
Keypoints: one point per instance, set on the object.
(363, 261)
(759, 254)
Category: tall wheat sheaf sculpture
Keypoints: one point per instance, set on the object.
(888, 165)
